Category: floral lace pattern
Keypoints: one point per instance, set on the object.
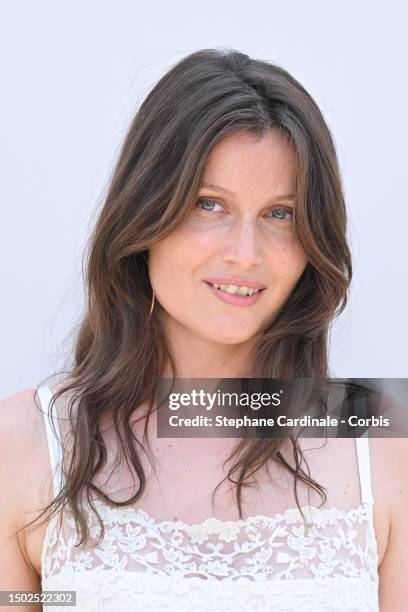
(260, 563)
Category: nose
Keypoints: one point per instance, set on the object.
(242, 245)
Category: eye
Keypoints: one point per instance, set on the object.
(207, 204)
(283, 213)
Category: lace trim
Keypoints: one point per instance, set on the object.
(336, 543)
(214, 525)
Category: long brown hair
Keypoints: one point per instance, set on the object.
(120, 351)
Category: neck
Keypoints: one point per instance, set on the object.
(198, 357)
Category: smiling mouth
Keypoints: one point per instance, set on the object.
(235, 289)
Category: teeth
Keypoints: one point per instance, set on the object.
(241, 290)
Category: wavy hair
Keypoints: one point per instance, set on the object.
(119, 350)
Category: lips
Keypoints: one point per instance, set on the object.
(234, 298)
(231, 280)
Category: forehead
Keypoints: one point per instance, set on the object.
(259, 164)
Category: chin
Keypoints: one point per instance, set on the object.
(232, 337)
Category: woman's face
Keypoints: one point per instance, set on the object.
(240, 234)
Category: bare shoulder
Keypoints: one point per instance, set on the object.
(18, 413)
(389, 457)
(24, 455)
(23, 450)
(390, 488)
(24, 469)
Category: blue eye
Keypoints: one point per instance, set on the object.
(282, 211)
(206, 201)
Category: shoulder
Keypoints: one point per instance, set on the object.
(16, 408)
(21, 437)
(19, 413)
(390, 469)
(24, 470)
(389, 457)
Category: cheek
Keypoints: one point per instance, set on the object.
(288, 264)
(199, 239)
(174, 260)
(164, 261)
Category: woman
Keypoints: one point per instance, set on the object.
(220, 252)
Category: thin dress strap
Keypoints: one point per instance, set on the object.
(54, 443)
(363, 460)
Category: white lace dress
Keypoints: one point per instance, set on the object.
(261, 563)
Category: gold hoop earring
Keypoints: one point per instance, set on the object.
(151, 306)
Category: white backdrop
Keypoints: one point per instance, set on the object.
(72, 74)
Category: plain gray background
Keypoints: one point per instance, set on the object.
(72, 75)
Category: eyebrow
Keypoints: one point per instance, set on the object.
(288, 196)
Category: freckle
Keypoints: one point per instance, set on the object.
(170, 445)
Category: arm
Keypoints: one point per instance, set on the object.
(393, 570)
(16, 571)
